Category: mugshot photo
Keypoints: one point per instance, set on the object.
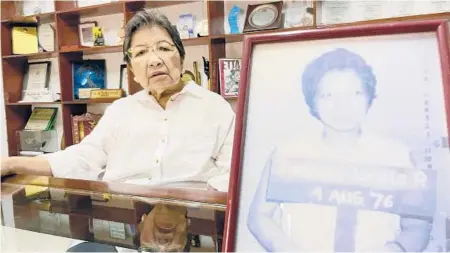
(346, 147)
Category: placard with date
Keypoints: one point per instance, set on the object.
(346, 148)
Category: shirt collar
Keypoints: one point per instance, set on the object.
(192, 88)
(189, 88)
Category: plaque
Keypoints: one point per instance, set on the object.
(263, 16)
(37, 76)
(82, 125)
(46, 37)
(36, 83)
(85, 93)
(106, 93)
(186, 25)
(88, 74)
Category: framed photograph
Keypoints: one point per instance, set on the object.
(86, 33)
(263, 16)
(230, 74)
(88, 75)
(341, 141)
(82, 125)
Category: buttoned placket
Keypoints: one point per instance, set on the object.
(163, 139)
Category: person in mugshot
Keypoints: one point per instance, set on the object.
(320, 192)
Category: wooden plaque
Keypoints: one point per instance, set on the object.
(82, 125)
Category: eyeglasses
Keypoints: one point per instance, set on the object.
(162, 49)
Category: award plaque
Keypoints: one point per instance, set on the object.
(37, 76)
(46, 37)
(263, 16)
(88, 75)
(82, 125)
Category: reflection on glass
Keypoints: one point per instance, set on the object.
(109, 222)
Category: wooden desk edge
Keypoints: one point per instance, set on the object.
(160, 192)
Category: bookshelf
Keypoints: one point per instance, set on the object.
(66, 18)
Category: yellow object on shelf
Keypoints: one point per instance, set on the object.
(24, 40)
(33, 190)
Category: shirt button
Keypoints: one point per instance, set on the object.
(163, 140)
(157, 161)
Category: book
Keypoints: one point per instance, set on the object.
(42, 118)
(229, 72)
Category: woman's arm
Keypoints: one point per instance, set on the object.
(85, 160)
(260, 220)
(223, 153)
(26, 165)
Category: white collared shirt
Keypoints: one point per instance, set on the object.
(137, 141)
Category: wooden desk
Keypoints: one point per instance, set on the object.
(103, 212)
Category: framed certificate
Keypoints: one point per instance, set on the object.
(37, 76)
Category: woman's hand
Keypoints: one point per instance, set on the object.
(26, 165)
(5, 166)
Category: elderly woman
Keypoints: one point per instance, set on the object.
(169, 132)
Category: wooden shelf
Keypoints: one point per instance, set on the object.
(134, 6)
(32, 103)
(47, 15)
(231, 38)
(94, 50)
(196, 41)
(90, 101)
(119, 48)
(94, 10)
(42, 55)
